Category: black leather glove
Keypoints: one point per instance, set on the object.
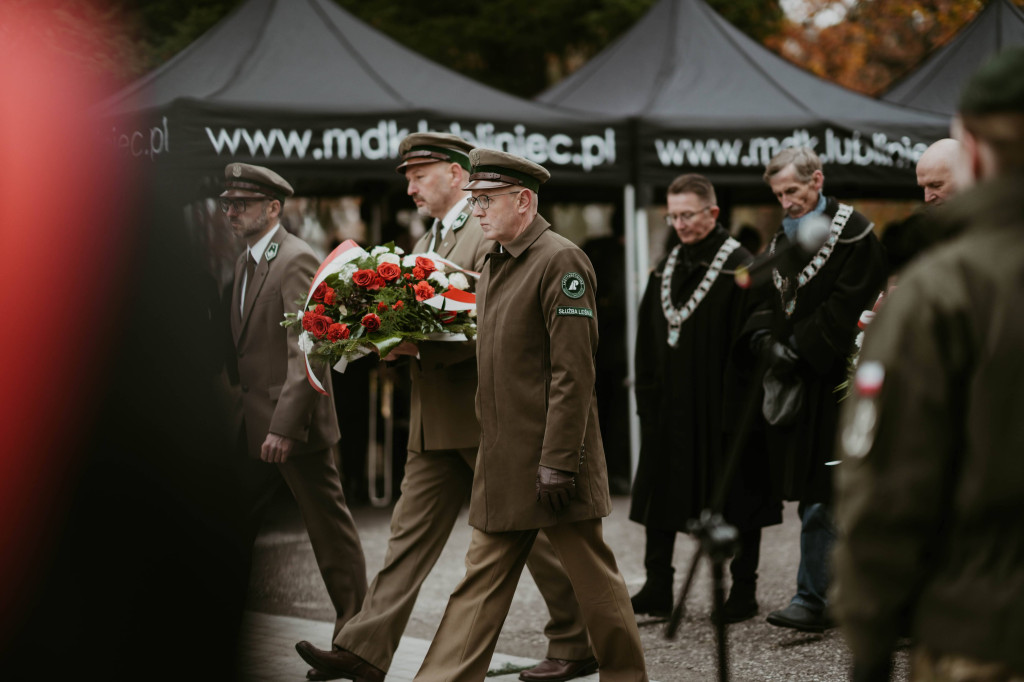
(781, 358)
(555, 487)
(759, 342)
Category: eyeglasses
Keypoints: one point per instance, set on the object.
(238, 204)
(686, 216)
(484, 200)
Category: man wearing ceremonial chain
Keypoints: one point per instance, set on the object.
(689, 317)
(804, 332)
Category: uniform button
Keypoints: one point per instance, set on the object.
(245, 388)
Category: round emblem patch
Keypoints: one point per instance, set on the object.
(572, 285)
(236, 171)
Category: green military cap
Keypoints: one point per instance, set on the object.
(433, 147)
(492, 169)
(997, 87)
(243, 180)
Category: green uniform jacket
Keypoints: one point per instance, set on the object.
(536, 401)
(443, 391)
(276, 395)
(931, 483)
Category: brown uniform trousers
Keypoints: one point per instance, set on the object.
(438, 479)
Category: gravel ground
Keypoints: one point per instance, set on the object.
(285, 581)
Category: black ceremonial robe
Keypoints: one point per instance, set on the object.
(683, 402)
(822, 329)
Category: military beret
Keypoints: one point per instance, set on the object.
(492, 169)
(432, 147)
(242, 180)
(997, 87)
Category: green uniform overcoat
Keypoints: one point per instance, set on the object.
(931, 483)
(537, 338)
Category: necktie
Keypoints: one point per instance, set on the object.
(250, 269)
(250, 272)
(435, 230)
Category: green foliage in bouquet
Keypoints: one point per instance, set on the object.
(375, 302)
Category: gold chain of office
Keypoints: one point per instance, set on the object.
(782, 284)
(676, 316)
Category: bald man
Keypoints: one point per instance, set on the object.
(935, 171)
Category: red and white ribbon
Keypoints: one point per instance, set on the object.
(453, 299)
(345, 253)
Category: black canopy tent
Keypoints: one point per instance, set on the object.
(936, 83)
(306, 88)
(705, 97)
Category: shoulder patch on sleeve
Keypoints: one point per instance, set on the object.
(858, 434)
(573, 285)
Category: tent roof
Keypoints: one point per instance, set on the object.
(936, 84)
(684, 66)
(311, 56)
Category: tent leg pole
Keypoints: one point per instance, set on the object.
(632, 309)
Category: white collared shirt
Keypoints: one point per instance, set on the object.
(447, 221)
(256, 252)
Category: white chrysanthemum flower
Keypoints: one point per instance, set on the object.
(378, 250)
(348, 270)
(390, 258)
(439, 265)
(399, 250)
(409, 261)
(438, 276)
(458, 280)
(305, 342)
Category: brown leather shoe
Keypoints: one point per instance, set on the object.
(558, 670)
(336, 663)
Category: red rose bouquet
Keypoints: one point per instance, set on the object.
(363, 302)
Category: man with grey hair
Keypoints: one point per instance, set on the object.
(930, 492)
(804, 334)
(935, 171)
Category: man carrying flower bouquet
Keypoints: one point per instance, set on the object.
(541, 462)
(443, 440)
(286, 426)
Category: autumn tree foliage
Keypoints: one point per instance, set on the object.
(872, 42)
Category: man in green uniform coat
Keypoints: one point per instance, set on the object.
(541, 460)
(931, 484)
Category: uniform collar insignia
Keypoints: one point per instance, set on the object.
(460, 220)
(271, 251)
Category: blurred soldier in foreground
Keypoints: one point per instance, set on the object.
(541, 462)
(688, 322)
(931, 485)
(443, 440)
(805, 332)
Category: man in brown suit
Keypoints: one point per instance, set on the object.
(541, 461)
(285, 422)
(443, 440)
